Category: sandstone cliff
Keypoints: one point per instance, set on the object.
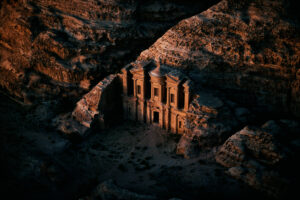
(250, 49)
(61, 48)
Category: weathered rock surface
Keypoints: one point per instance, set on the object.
(101, 100)
(99, 107)
(264, 157)
(211, 120)
(59, 49)
(248, 48)
(108, 190)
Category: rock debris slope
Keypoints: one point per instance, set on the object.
(250, 49)
(61, 48)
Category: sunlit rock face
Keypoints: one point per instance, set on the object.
(264, 157)
(248, 48)
(61, 48)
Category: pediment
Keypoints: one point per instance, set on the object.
(138, 71)
(172, 79)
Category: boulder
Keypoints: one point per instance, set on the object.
(211, 120)
(263, 157)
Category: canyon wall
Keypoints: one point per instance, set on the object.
(249, 49)
(60, 49)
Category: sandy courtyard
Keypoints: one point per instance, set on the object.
(136, 156)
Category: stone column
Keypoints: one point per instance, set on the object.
(125, 81)
(152, 91)
(167, 115)
(176, 125)
(148, 117)
(173, 122)
(160, 93)
(134, 88)
(176, 97)
(125, 92)
(143, 107)
(168, 96)
(161, 117)
(186, 86)
(143, 88)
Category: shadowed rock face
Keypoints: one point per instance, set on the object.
(96, 109)
(264, 157)
(211, 120)
(249, 48)
(60, 48)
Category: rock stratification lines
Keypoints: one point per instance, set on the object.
(250, 46)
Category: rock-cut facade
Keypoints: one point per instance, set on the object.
(156, 94)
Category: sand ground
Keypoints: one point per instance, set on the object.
(38, 162)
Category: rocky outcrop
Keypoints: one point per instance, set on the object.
(264, 157)
(108, 190)
(250, 49)
(102, 100)
(60, 49)
(211, 120)
(97, 108)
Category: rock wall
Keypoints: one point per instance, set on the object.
(101, 103)
(99, 108)
(60, 49)
(250, 49)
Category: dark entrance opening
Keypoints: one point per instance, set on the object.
(155, 117)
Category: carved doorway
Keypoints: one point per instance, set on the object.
(156, 117)
(180, 125)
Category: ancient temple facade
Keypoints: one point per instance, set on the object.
(156, 94)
